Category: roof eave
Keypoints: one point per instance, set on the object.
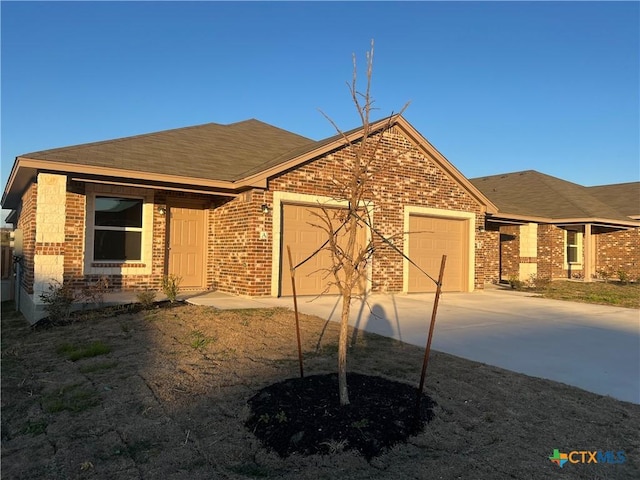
(12, 218)
(565, 221)
(25, 169)
(597, 220)
(19, 179)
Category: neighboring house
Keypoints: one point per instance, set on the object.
(218, 204)
(549, 228)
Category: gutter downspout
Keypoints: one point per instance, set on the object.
(17, 262)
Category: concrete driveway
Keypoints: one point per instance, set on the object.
(593, 347)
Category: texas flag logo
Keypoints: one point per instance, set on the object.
(559, 458)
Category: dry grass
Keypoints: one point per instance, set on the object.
(611, 293)
(163, 404)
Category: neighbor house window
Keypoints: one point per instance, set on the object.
(573, 247)
(117, 229)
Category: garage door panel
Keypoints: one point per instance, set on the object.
(301, 232)
(429, 239)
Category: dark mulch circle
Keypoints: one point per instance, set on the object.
(305, 416)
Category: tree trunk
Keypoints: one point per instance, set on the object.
(342, 349)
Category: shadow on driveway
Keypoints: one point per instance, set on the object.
(593, 347)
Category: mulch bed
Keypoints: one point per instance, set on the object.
(304, 415)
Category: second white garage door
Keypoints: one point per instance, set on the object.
(429, 239)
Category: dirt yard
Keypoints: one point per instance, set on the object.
(163, 394)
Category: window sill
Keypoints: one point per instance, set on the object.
(117, 265)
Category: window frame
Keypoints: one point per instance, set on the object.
(118, 267)
(106, 228)
(578, 245)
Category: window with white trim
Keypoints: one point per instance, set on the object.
(117, 229)
(573, 249)
(572, 246)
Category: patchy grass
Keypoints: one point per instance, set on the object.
(35, 427)
(611, 293)
(73, 398)
(97, 367)
(78, 352)
(199, 340)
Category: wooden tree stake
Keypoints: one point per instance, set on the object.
(427, 350)
(295, 308)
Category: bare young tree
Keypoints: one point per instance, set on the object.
(350, 257)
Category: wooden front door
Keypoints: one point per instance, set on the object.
(187, 242)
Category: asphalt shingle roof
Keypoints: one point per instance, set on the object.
(535, 194)
(211, 151)
(625, 197)
(231, 152)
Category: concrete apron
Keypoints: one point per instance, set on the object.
(593, 347)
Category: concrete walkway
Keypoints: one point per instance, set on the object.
(593, 347)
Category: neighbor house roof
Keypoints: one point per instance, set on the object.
(535, 196)
(625, 197)
(210, 158)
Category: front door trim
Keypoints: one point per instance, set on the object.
(195, 204)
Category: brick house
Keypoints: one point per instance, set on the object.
(551, 229)
(218, 204)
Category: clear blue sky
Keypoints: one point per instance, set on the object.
(496, 87)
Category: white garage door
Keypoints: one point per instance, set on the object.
(429, 239)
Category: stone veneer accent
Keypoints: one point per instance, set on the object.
(48, 266)
(528, 252)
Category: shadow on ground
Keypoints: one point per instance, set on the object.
(163, 394)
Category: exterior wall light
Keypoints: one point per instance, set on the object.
(162, 210)
(265, 208)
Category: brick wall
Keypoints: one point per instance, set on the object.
(74, 230)
(551, 252)
(27, 222)
(489, 243)
(619, 251)
(510, 251)
(243, 262)
(159, 246)
(240, 261)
